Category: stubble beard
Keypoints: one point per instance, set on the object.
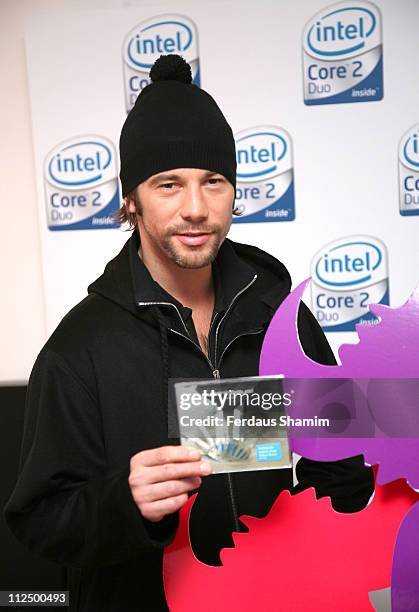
(193, 256)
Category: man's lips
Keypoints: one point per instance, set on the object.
(193, 238)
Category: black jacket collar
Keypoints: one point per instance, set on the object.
(127, 281)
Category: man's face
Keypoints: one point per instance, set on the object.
(185, 215)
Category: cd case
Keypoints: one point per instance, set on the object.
(234, 422)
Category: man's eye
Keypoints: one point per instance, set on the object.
(167, 185)
(215, 181)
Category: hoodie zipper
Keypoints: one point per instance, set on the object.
(229, 477)
(215, 370)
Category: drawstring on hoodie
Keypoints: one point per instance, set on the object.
(164, 349)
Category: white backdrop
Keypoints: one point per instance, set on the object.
(344, 156)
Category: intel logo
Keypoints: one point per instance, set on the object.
(349, 264)
(342, 30)
(157, 36)
(80, 162)
(262, 153)
(409, 149)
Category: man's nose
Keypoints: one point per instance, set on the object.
(194, 206)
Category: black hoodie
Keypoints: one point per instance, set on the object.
(97, 395)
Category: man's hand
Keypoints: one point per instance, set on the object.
(160, 479)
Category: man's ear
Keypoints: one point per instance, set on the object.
(130, 204)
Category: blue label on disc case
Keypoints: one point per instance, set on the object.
(268, 452)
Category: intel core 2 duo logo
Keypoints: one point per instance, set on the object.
(347, 275)
(143, 45)
(265, 180)
(409, 172)
(81, 184)
(343, 55)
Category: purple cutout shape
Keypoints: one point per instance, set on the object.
(405, 572)
(388, 349)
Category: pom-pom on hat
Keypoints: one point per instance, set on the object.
(174, 124)
(171, 68)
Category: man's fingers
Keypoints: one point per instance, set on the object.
(155, 511)
(166, 454)
(170, 471)
(161, 478)
(176, 471)
(164, 490)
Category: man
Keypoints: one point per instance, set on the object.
(101, 482)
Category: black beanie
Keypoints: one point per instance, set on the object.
(174, 124)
